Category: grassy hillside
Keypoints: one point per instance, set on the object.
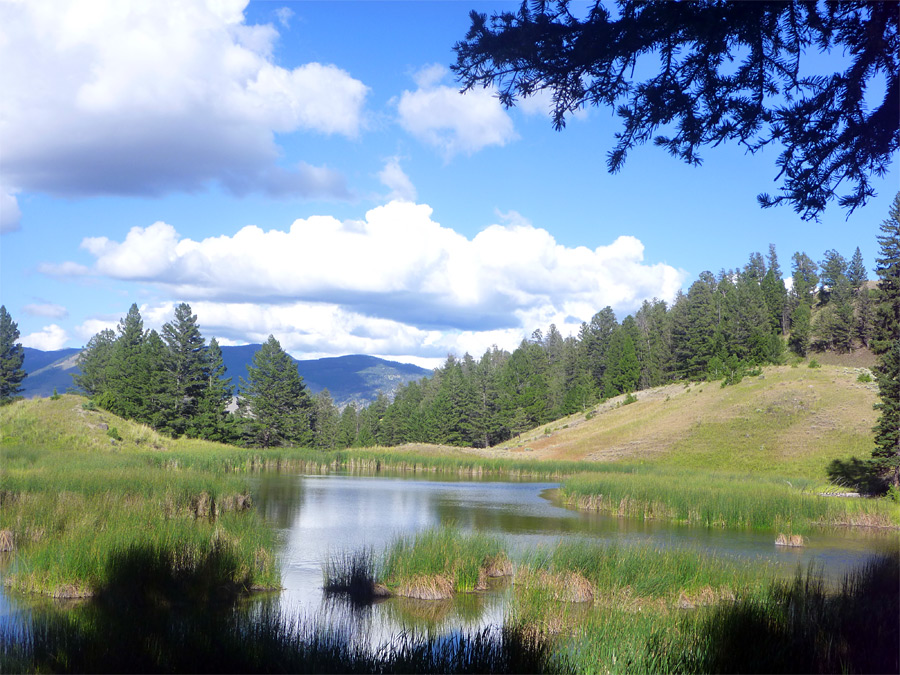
(788, 421)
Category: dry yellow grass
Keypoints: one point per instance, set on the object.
(789, 420)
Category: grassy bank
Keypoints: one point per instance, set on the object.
(75, 502)
(722, 500)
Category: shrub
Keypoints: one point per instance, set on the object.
(113, 433)
(864, 377)
(814, 364)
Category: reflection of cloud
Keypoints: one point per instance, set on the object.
(50, 338)
(149, 98)
(396, 282)
(452, 122)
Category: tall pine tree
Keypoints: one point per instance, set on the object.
(12, 356)
(185, 364)
(275, 400)
(886, 327)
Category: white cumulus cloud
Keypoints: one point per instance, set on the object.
(50, 338)
(108, 97)
(453, 123)
(396, 281)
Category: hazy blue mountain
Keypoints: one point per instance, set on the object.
(48, 371)
(354, 378)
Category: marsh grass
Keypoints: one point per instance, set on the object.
(436, 562)
(796, 626)
(99, 638)
(720, 500)
(352, 574)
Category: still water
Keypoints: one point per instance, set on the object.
(319, 516)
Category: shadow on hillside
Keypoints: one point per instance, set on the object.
(856, 474)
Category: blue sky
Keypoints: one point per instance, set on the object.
(309, 170)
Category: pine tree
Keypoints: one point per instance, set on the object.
(93, 363)
(326, 418)
(856, 270)
(800, 329)
(127, 373)
(275, 400)
(211, 419)
(775, 294)
(831, 270)
(348, 429)
(159, 402)
(886, 455)
(805, 278)
(186, 355)
(12, 356)
(886, 327)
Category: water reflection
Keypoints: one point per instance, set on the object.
(322, 515)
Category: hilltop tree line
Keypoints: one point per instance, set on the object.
(725, 326)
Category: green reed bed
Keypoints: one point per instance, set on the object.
(69, 513)
(455, 560)
(719, 500)
(65, 542)
(644, 571)
(215, 457)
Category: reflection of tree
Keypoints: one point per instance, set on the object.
(277, 497)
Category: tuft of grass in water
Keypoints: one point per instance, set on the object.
(460, 560)
(351, 574)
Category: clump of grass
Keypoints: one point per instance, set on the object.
(437, 562)
(353, 574)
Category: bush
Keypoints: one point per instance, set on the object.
(113, 433)
(814, 364)
(630, 398)
(864, 377)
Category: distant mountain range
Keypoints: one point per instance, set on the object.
(356, 378)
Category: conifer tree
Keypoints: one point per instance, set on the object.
(12, 356)
(886, 327)
(886, 455)
(326, 418)
(159, 403)
(275, 400)
(805, 278)
(856, 271)
(127, 373)
(800, 329)
(211, 419)
(93, 363)
(185, 363)
(348, 429)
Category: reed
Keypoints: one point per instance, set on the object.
(352, 574)
(439, 562)
(81, 640)
(721, 500)
(803, 626)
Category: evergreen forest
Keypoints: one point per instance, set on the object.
(726, 326)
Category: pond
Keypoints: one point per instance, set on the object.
(318, 516)
(322, 515)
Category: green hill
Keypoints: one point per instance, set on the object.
(787, 421)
